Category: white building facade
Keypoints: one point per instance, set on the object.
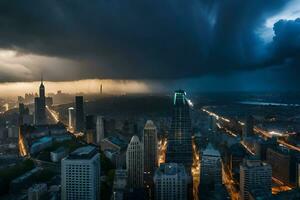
(135, 163)
(80, 174)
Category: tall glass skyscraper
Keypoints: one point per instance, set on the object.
(179, 149)
(79, 113)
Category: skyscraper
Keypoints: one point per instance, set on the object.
(171, 182)
(40, 106)
(211, 172)
(90, 129)
(179, 149)
(80, 174)
(150, 147)
(71, 117)
(135, 163)
(79, 113)
(248, 128)
(254, 174)
(99, 129)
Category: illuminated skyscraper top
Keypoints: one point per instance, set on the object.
(179, 148)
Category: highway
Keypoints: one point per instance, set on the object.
(257, 130)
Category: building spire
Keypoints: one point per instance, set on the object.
(42, 78)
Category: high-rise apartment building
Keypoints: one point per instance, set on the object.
(211, 167)
(80, 174)
(150, 147)
(171, 182)
(179, 149)
(254, 174)
(135, 163)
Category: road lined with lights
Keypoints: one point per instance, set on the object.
(229, 184)
(53, 114)
(195, 171)
(256, 129)
(227, 178)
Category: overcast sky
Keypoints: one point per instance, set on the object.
(197, 44)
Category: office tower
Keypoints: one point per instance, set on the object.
(71, 117)
(179, 149)
(171, 182)
(150, 147)
(90, 129)
(211, 169)
(79, 113)
(40, 106)
(254, 174)
(24, 116)
(90, 122)
(280, 160)
(99, 129)
(248, 127)
(80, 174)
(135, 163)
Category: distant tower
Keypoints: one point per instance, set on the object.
(101, 88)
(79, 113)
(71, 117)
(150, 147)
(40, 105)
(211, 172)
(171, 182)
(255, 174)
(179, 149)
(248, 127)
(135, 163)
(99, 129)
(42, 88)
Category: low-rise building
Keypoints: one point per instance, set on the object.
(58, 154)
(41, 144)
(37, 191)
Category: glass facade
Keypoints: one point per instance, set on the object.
(179, 148)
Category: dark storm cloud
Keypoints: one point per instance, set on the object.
(147, 39)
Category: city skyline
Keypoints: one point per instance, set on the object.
(150, 99)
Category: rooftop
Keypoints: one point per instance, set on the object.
(149, 125)
(253, 162)
(26, 175)
(210, 151)
(85, 152)
(59, 150)
(170, 169)
(117, 141)
(42, 141)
